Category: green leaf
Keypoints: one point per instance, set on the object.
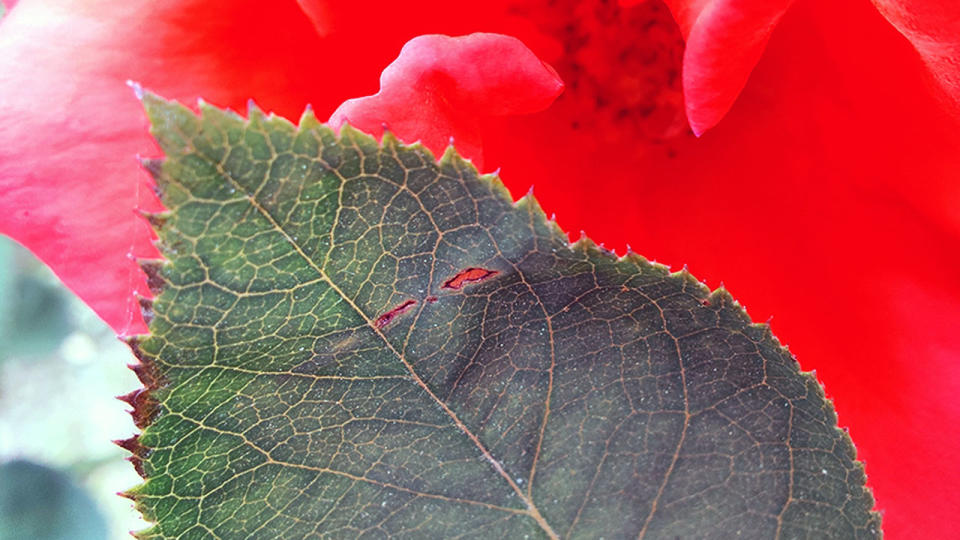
(352, 339)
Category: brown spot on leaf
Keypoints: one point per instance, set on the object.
(344, 343)
(389, 316)
(470, 275)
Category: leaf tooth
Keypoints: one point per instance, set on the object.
(131, 445)
(607, 251)
(130, 398)
(156, 219)
(144, 368)
(583, 243)
(530, 203)
(265, 120)
(144, 406)
(632, 256)
(389, 140)
(462, 164)
(254, 113)
(720, 296)
(308, 120)
(453, 158)
(699, 288)
(215, 114)
(346, 131)
(134, 341)
(146, 374)
(767, 333)
(555, 229)
(146, 307)
(153, 268)
(137, 465)
(139, 453)
(138, 368)
(154, 166)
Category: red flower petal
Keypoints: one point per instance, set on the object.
(70, 128)
(725, 39)
(442, 87)
(933, 27)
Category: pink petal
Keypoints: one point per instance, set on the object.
(725, 39)
(441, 87)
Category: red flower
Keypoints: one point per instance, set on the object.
(827, 195)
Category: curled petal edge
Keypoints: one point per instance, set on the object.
(725, 39)
(440, 87)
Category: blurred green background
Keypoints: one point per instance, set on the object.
(60, 368)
